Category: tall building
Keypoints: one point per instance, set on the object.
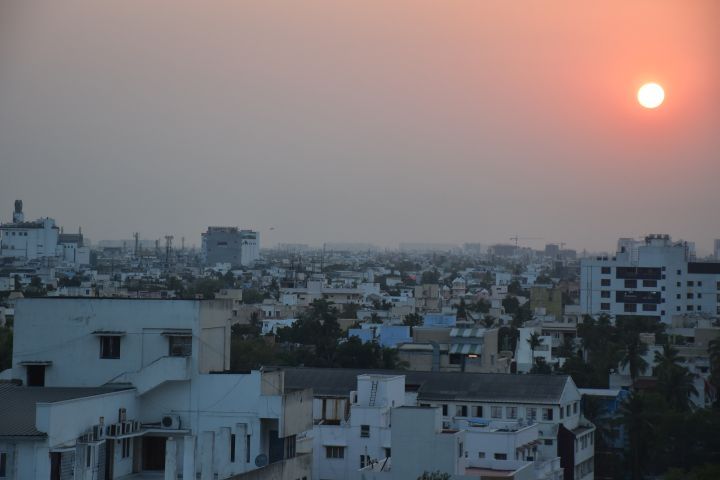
(28, 240)
(230, 245)
(717, 249)
(655, 277)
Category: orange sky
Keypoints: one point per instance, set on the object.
(369, 121)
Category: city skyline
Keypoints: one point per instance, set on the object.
(373, 122)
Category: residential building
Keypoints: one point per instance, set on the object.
(193, 416)
(655, 278)
(551, 401)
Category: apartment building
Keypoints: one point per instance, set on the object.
(656, 277)
(230, 245)
(28, 240)
(552, 402)
(190, 416)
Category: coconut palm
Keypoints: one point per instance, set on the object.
(633, 356)
(674, 381)
(534, 341)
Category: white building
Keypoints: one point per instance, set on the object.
(230, 245)
(525, 357)
(192, 418)
(655, 278)
(71, 249)
(28, 240)
(552, 402)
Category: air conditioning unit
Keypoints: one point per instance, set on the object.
(170, 422)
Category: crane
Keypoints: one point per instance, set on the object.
(516, 238)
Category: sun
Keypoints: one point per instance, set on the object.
(651, 95)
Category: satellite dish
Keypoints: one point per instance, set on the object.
(261, 460)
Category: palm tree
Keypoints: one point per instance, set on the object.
(633, 358)
(534, 341)
(714, 353)
(638, 427)
(675, 382)
(488, 321)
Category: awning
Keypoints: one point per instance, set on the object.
(29, 363)
(178, 332)
(467, 332)
(466, 348)
(109, 333)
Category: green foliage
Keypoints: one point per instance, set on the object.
(252, 296)
(430, 277)
(6, 347)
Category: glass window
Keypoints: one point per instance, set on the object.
(334, 452)
(109, 346)
(496, 412)
(478, 411)
(500, 456)
(365, 431)
(511, 412)
(3, 464)
(461, 410)
(531, 413)
(180, 346)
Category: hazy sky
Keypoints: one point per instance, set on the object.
(452, 121)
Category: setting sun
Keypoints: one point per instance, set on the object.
(651, 95)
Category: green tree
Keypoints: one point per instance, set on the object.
(633, 356)
(638, 423)
(674, 382)
(534, 341)
(436, 475)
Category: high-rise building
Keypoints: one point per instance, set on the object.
(655, 277)
(717, 249)
(230, 245)
(28, 240)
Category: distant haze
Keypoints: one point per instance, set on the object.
(364, 121)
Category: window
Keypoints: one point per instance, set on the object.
(531, 413)
(548, 441)
(678, 296)
(605, 282)
(605, 270)
(88, 456)
(125, 447)
(478, 411)
(496, 412)
(109, 346)
(388, 452)
(689, 308)
(690, 295)
(649, 283)
(630, 307)
(247, 448)
(290, 444)
(364, 460)
(561, 412)
(604, 306)
(180, 346)
(575, 407)
(649, 307)
(232, 448)
(460, 450)
(630, 283)
(547, 413)
(365, 431)
(511, 412)
(444, 409)
(500, 456)
(690, 283)
(679, 272)
(605, 294)
(481, 454)
(567, 410)
(3, 464)
(334, 452)
(461, 410)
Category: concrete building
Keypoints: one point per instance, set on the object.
(230, 245)
(656, 278)
(28, 240)
(550, 401)
(193, 417)
(716, 250)
(71, 249)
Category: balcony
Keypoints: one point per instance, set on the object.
(164, 369)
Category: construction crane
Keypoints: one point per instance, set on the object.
(516, 238)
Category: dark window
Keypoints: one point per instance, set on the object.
(478, 411)
(630, 307)
(388, 452)
(334, 452)
(677, 284)
(109, 346)
(638, 273)
(605, 294)
(637, 296)
(36, 375)
(365, 431)
(247, 448)
(548, 441)
(461, 410)
(126, 447)
(232, 448)
(180, 346)
(3, 464)
(605, 282)
(604, 306)
(444, 409)
(649, 307)
(690, 283)
(88, 455)
(699, 284)
(690, 295)
(455, 359)
(500, 456)
(605, 270)
(678, 296)
(649, 283)
(630, 283)
(689, 308)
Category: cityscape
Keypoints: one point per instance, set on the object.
(328, 240)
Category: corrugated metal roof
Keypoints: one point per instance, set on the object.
(17, 405)
(497, 387)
